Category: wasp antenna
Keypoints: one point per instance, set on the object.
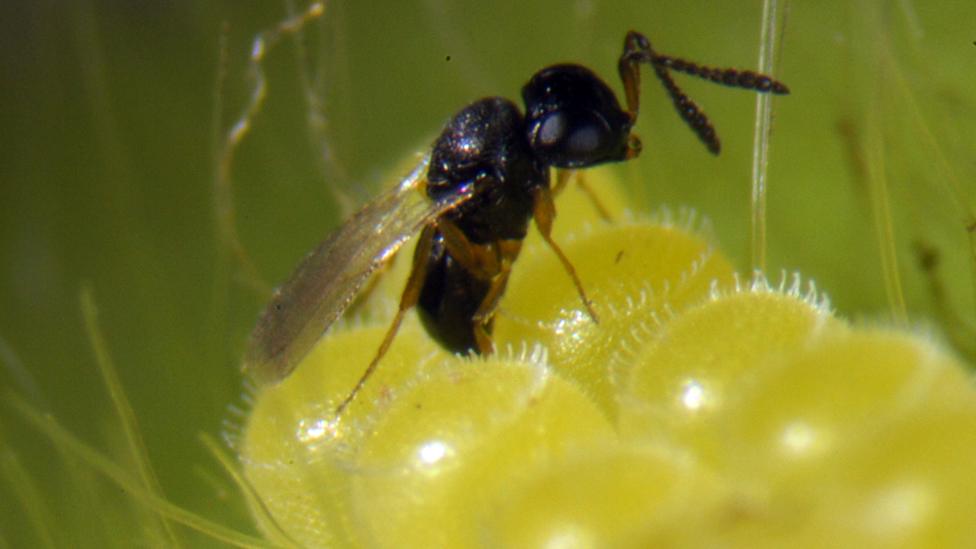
(637, 50)
(696, 119)
(735, 78)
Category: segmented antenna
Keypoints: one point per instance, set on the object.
(637, 50)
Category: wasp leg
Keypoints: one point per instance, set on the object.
(483, 317)
(491, 262)
(483, 261)
(411, 293)
(508, 251)
(562, 177)
(544, 211)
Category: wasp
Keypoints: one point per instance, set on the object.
(471, 200)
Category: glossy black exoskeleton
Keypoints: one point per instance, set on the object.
(487, 176)
(476, 149)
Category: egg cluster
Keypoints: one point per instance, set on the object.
(701, 409)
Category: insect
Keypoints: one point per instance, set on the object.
(471, 199)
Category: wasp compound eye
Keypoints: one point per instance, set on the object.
(573, 119)
(573, 140)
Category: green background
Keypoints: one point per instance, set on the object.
(112, 115)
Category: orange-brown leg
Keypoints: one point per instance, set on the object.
(409, 298)
(491, 262)
(588, 191)
(562, 178)
(544, 211)
(508, 251)
(481, 260)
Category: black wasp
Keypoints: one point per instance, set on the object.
(471, 199)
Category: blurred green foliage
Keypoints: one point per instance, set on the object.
(112, 115)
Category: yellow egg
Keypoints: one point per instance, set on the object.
(435, 459)
(698, 365)
(618, 496)
(633, 272)
(294, 451)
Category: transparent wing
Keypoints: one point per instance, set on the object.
(329, 277)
